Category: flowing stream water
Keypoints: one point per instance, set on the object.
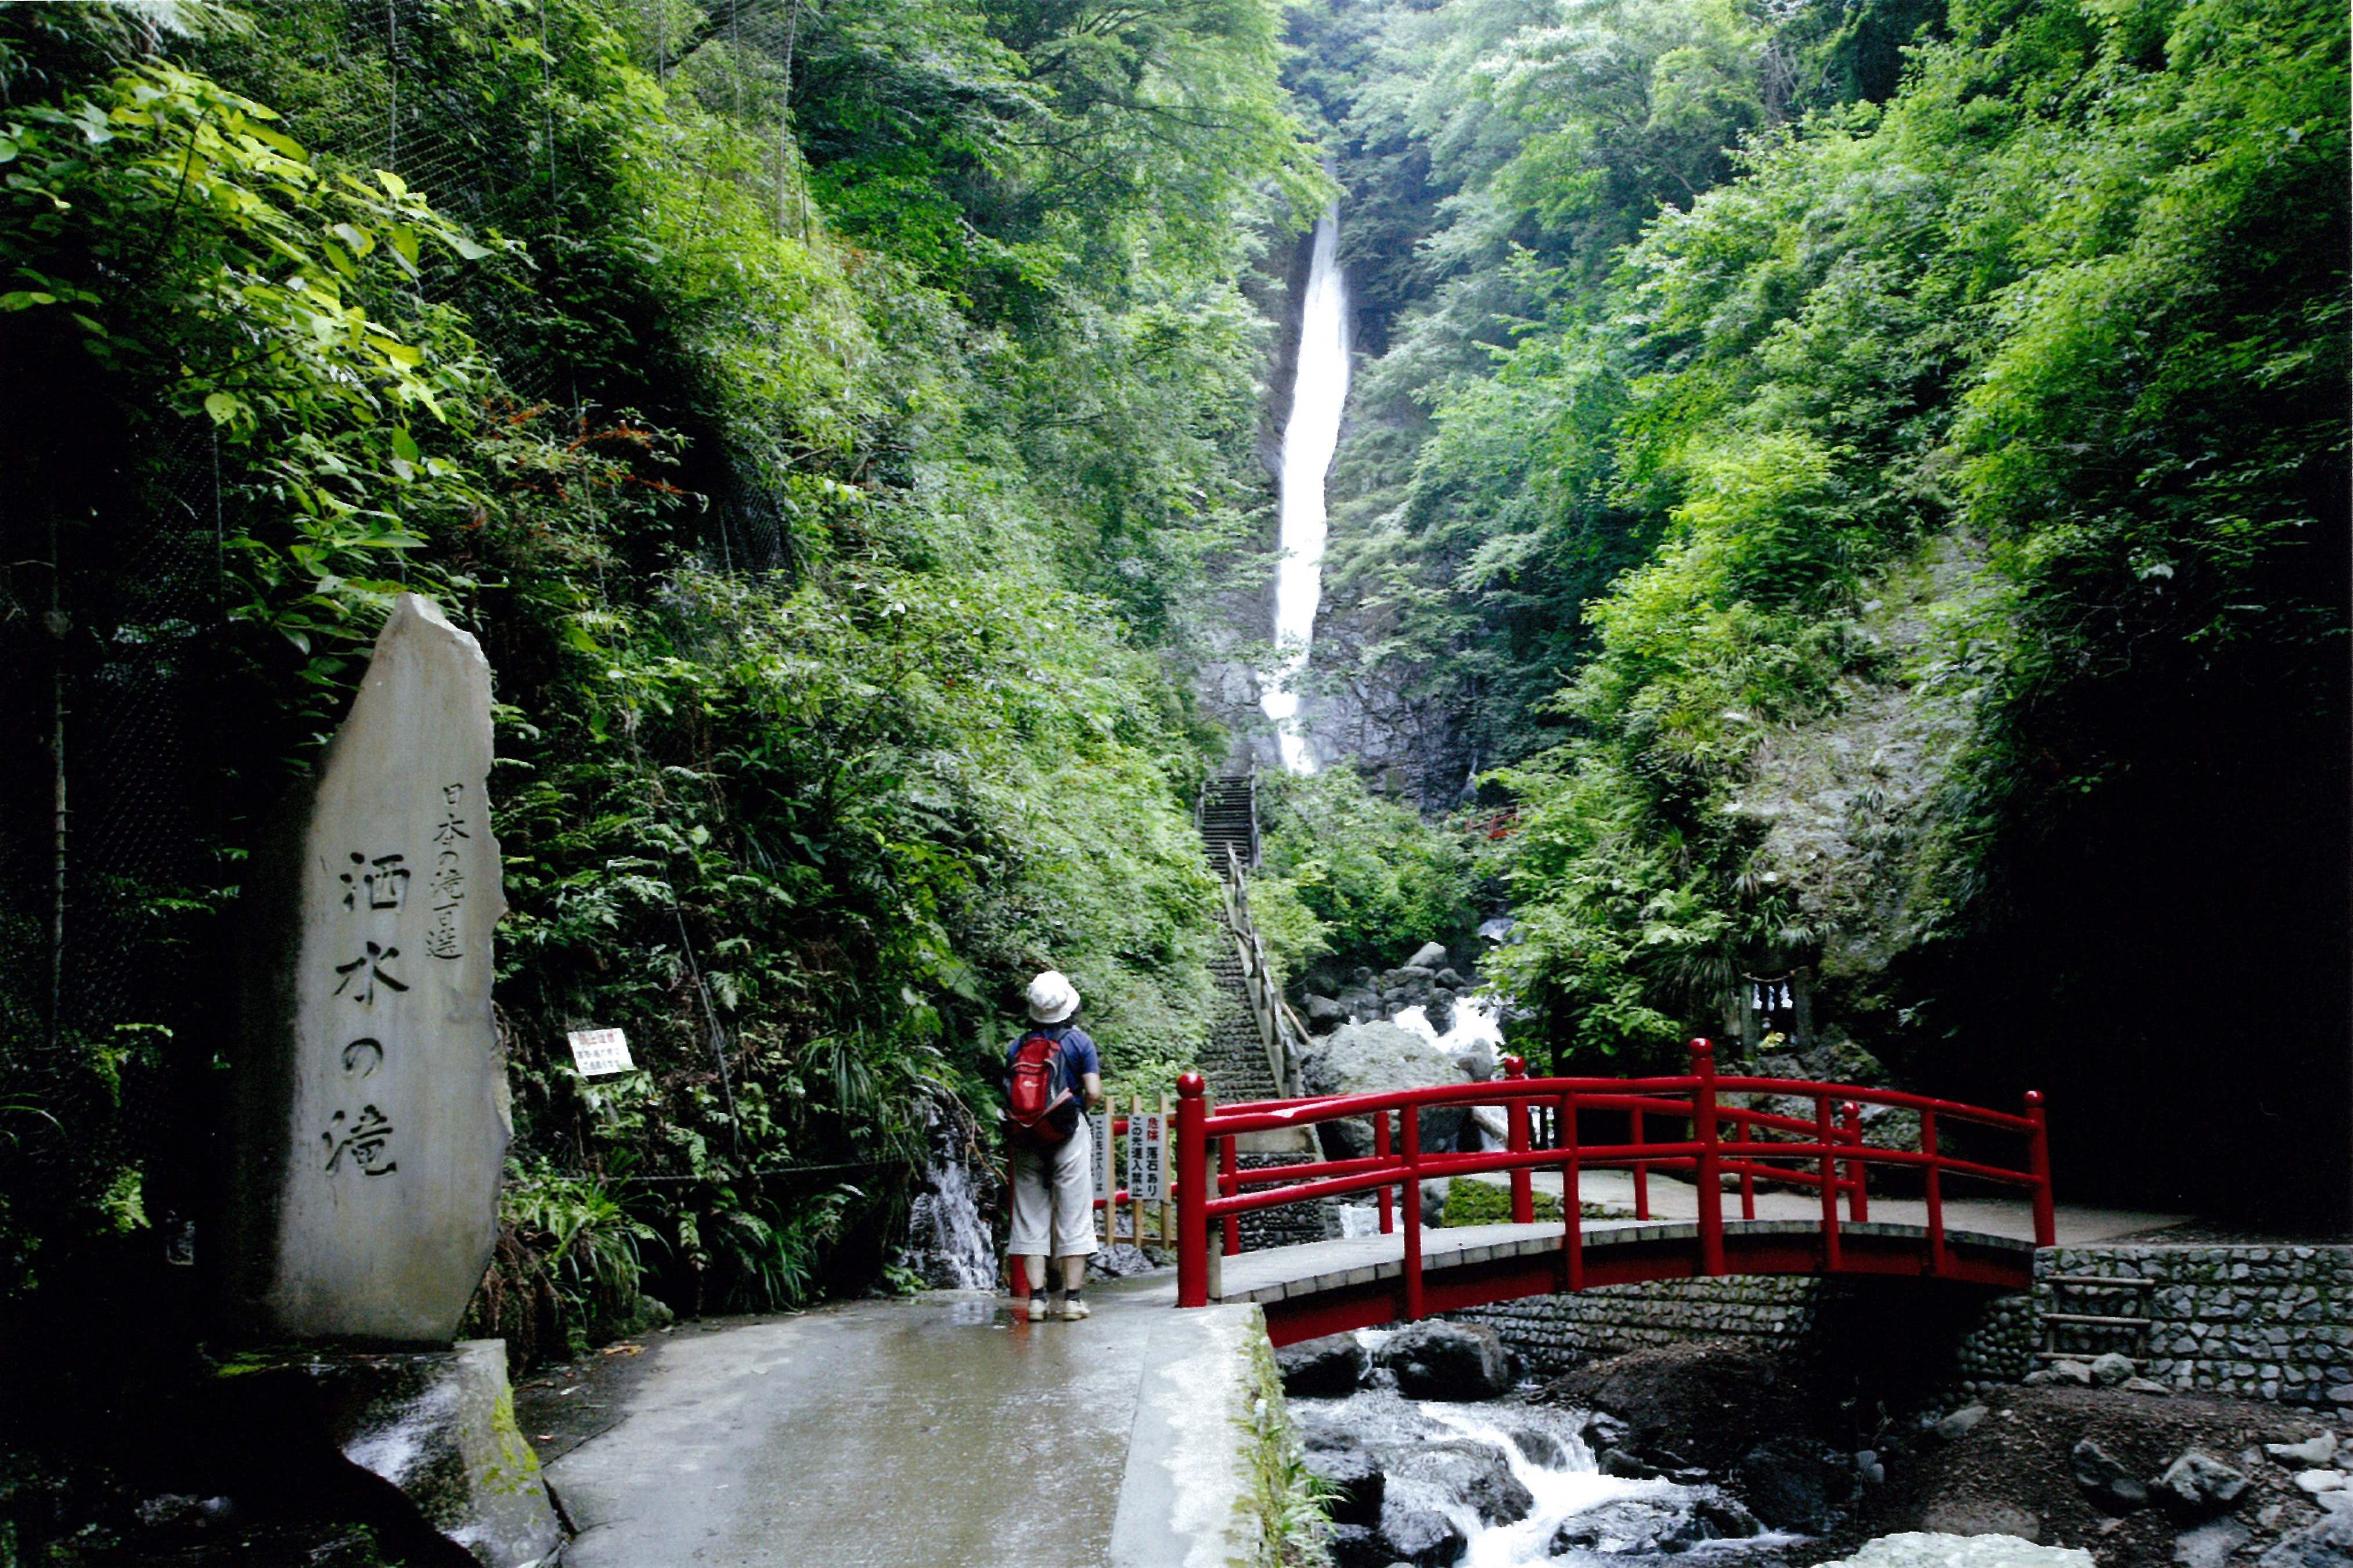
(1521, 1488)
(1309, 437)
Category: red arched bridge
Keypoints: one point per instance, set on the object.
(1678, 1124)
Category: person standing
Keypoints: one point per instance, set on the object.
(1054, 1155)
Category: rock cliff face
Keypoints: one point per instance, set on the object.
(1849, 798)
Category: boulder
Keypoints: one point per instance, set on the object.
(1372, 1058)
(1540, 1448)
(1359, 1002)
(2327, 1544)
(1325, 1013)
(2211, 1544)
(1356, 1546)
(2107, 1480)
(1626, 1467)
(2198, 1484)
(2109, 1370)
(1457, 1473)
(2311, 1451)
(1790, 1487)
(1438, 1360)
(2312, 1483)
(1357, 1483)
(1621, 1525)
(1419, 1534)
(1926, 1549)
(1331, 1367)
(1430, 955)
(1962, 1422)
(2149, 1386)
(438, 1426)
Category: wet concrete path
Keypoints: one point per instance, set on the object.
(939, 1431)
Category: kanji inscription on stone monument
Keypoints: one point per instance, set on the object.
(371, 1117)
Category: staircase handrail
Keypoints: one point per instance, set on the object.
(1268, 1009)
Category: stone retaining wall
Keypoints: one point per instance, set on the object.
(2255, 1322)
(1552, 1334)
(2260, 1322)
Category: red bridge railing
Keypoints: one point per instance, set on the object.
(1824, 1152)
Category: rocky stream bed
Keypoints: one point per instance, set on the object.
(1439, 1454)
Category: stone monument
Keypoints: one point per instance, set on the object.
(369, 1108)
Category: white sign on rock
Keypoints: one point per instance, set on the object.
(596, 1052)
(371, 1098)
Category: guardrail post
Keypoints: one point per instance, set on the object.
(1572, 1201)
(1641, 1171)
(1410, 1124)
(1827, 1136)
(1381, 1149)
(1192, 1196)
(1515, 1118)
(1935, 1194)
(1227, 1167)
(1710, 1179)
(2038, 1154)
(1858, 1196)
(1740, 1135)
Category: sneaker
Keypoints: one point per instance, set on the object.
(1038, 1311)
(1073, 1308)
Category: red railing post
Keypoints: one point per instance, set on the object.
(1641, 1172)
(1572, 1202)
(1228, 1166)
(1857, 1197)
(1827, 1134)
(1935, 1192)
(2038, 1155)
(1515, 1118)
(1410, 1124)
(1747, 1168)
(1711, 1180)
(1381, 1148)
(1192, 1196)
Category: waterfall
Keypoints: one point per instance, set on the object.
(1309, 437)
(949, 1243)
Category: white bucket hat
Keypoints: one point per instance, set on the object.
(1052, 998)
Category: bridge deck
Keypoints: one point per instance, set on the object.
(1334, 1286)
(1281, 1273)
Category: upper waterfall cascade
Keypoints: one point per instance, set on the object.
(1308, 438)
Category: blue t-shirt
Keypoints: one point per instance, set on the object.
(1074, 1057)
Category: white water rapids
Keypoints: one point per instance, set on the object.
(1308, 438)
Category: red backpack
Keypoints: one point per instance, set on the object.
(1033, 1104)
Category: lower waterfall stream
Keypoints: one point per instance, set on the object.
(1509, 1484)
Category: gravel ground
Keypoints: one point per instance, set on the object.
(2013, 1471)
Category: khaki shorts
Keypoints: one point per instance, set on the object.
(1055, 1191)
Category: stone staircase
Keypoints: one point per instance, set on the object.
(1235, 1059)
(1227, 820)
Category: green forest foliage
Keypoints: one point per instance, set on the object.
(2060, 285)
(1349, 879)
(822, 415)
